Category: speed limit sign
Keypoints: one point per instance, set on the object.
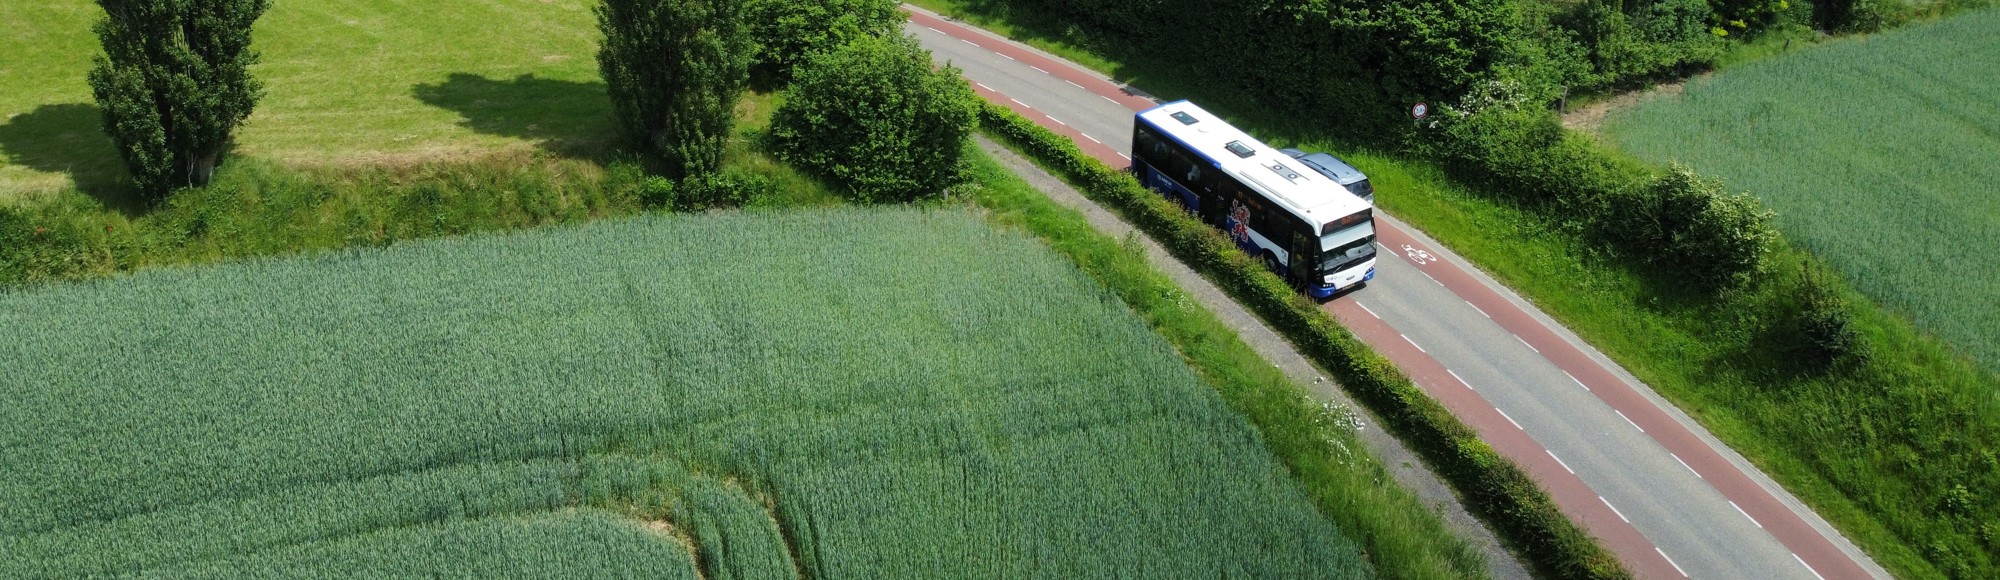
(1419, 110)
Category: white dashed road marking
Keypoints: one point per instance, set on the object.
(1578, 383)
(1677, 567)
(1635, 425)
(1503, 415)
(1697, 474)
(1746, 515)
(1614, 509)
(1802, 562)
(1559, 461)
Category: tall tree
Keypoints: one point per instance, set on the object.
(174, 82)
(675, 69)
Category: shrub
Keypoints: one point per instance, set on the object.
(790, 31)
(1623, 45)
(1690, 225)
(876, 116)
(674, 69)
(733, 187)
(1826, 324)
(173, 82)
(656, 192)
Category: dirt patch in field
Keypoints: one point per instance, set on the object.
(1589, 118)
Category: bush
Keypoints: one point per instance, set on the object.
(173, 82)
(1681, 222)
(733, 187)
(674, 69)
(790, 31)
(1526, 154)
(1626, 45)
(877, 117)
(1825, 323)
(1690, 225)
(656, 192)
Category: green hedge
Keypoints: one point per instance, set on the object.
(1495, 488)
(1685, 226)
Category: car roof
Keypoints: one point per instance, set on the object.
(1333, 167)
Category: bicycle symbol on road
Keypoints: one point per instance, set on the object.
(1419, 256)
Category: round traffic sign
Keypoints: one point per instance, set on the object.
(1419, 110)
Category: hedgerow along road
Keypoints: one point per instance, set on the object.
(1665, 496)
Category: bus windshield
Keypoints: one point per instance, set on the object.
(1347, 247)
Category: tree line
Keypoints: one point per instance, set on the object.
(863, 106)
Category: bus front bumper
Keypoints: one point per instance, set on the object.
(1336, 284)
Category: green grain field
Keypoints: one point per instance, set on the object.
(1880, 153)
(368, 82)
(843, 393)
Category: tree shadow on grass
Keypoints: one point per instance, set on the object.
(567, 118)
(69, 138)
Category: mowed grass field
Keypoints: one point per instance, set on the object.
(851, 393)
(369, 82)
(1880, 153)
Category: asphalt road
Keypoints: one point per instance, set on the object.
(1665, 496)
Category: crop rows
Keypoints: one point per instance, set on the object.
(1880, 154)
(848, 393)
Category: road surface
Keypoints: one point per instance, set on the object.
(1665, 496)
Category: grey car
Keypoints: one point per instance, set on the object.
(1339, 171)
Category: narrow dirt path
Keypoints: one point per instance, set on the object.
(1589, 118)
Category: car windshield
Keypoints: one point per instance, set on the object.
(1347, 247)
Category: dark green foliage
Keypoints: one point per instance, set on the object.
(790, 31)
(1522, 513)
(675, 69)
(1744, 16)
(173, 82)
(657, 192)
(1688, 224)
(1358, 64)
(727, 188)
(1685, 225)
(1626, 43)
(875, 116)
(1827, 333)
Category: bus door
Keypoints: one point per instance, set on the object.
(1301, 269)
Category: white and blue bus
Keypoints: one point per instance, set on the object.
(1306, 227)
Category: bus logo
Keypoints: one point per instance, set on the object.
(1239, 222)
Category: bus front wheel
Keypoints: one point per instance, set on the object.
(1271, 261)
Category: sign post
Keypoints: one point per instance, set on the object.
(1418, 112)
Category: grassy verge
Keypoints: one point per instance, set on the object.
(1493, 487)
(1402, 537)
(262, 207)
